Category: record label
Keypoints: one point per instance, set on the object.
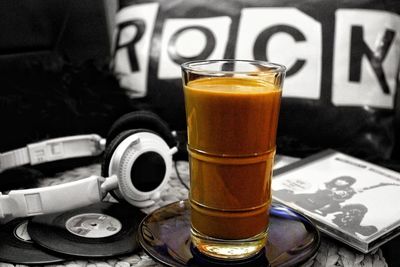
(21, 232)
(93, 225)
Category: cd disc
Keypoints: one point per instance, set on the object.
(17, 247)
(98, 230)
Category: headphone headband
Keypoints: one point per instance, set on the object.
(53, 149)
(38, 201)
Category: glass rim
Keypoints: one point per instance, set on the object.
(191, 66)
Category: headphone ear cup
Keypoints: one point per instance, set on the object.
(142, 161)
(142, 120)
(108, 153)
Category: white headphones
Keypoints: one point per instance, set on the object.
(137, 165)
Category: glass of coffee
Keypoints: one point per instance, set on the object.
(232, 110)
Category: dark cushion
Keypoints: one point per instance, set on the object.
(54, 71)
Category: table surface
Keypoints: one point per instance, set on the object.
(330, 253)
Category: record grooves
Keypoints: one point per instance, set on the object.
(98, 230)
(21, 250)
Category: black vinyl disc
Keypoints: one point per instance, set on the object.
(17, 247)
(98, 230)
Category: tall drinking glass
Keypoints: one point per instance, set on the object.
(232, 110)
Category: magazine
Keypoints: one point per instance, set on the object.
(352, 200)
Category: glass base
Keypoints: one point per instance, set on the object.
(223, 249)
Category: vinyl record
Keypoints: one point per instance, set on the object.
(17, 247)
(98, 230)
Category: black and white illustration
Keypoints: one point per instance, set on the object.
(349, 196)
(350, 218)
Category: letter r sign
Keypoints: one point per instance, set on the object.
(135, 25)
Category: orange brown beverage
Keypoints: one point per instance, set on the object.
(231, 123)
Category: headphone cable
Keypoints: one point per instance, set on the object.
(179, 176)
